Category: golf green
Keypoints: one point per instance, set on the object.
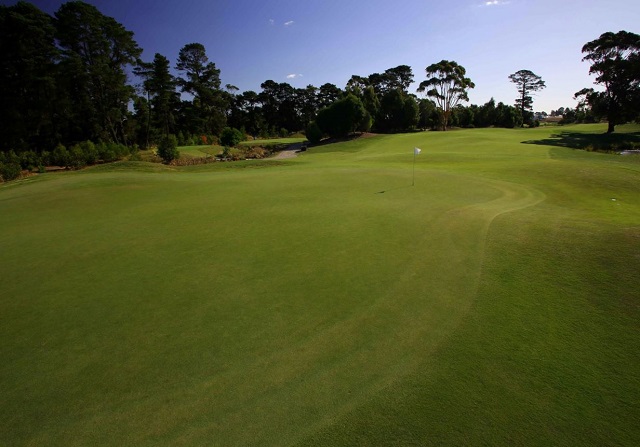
(484, 292)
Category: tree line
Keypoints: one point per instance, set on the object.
(66, 80)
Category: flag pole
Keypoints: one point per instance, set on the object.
(413, 181)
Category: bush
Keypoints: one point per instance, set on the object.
(182, 141)
(90, 152)
(106, 152)
(76, 157)
(168, 149)
(9, 171)
(45, 159)
(60, 156)
(120, 150)
(135, 153)
(231, 137)
(314, 134)
(29, 160)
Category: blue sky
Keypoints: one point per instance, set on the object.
(317, 41)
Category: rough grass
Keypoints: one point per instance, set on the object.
(325, 301)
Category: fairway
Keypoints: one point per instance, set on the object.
(323, 300)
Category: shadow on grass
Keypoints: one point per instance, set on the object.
(614, 142)
(394, 189)
(329, 144)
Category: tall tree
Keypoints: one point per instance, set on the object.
(344, 116)
(398, 111)
(27, 78)
(328, 94)
(447, 84)
(399, 77)
(527, 83)
(615, 60)
(428, 114)
(356, 85)
(202, 80)
(96, 54)
(164, 99)
(280, 106)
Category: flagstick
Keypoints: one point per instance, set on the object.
(413, 181)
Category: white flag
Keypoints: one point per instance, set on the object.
(416, 151)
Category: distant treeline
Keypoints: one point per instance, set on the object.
(67, 79)
(77, 78)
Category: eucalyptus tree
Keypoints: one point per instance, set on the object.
(615, 60)
(527, 83)
(356, 85)
(447, 85)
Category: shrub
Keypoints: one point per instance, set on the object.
(120, 150)
(135, 153)
(9, 171)
(314, 134)
(76, 157)
(60, 156)
(90, 152)
(168, 149)
(182, 141)
(29, 160)
(231, 137)
(256, 152)
(45, 158)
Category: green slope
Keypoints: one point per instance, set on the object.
(324, 300)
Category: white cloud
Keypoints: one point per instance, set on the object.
(289, 23)
(271, 21)
(494, 3)
(294, 75)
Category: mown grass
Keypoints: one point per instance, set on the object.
(325, 301)
(273, 141)
(200, 151)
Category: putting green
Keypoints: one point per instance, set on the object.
(324, 300)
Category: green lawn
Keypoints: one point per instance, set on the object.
(323, 300)
(199, 151)
(273, 141)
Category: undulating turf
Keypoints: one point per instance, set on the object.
(323, 300)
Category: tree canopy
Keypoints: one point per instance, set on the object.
(527, 83)
(615, 60)
(447, 85)
(78, 75)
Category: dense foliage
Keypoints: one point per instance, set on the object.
(78, 76)
(231, 137)
(168, 148)
(615, 60)
(527, 82)
(448, 85)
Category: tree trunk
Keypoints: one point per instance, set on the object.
(611, 127)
